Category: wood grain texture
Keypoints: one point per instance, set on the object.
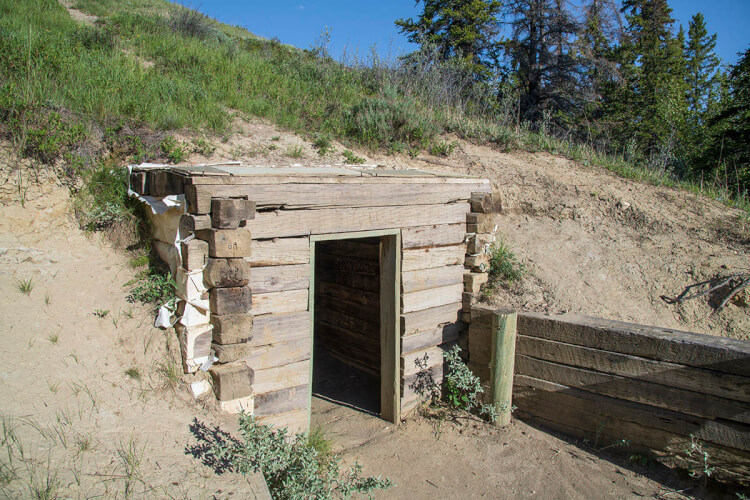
(275, 328)
(424, 279)
(285, 400)
(284, 223)
(692, 349)
(429, 318)
(226, 301)
(280, 302)
(227, 243)
(425, 299)
(433, 236)
(430, 338)
(279, 278)
(296, 196)
(282, 377)
(232, 381)
(428, 258)
(221, 273)
(280, 252)
(232, 329)
(282, 353)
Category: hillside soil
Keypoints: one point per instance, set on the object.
(591, 243)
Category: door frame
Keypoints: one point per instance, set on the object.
(390, 307)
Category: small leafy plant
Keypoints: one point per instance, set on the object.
(443, 148)
(323, 144)
(504, 266)
(352, 159)
(292, 467)
(25, 286)
(700, 455)
(295, 151)
(173, 150)
(151, 287)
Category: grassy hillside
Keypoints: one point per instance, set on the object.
(85, 97)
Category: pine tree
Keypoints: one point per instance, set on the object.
(457, 29)
(542, 56)
(701, 62)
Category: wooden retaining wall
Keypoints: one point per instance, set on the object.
(607, 381)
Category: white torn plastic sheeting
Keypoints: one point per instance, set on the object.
(166, 317)
(200, 388)
(193, 316)
(190, 287)
(158, 204)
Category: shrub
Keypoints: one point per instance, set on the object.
(504, 266)
(462, 390)
(189, 22)
(151, 287)
(443, 148)
(353, 159)
(292, 468)
(173, 150)
(380, 122)
(323, 144)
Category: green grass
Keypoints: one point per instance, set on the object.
(61, 82)
(25, 286)
(505, 269)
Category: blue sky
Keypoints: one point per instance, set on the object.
(355, 25)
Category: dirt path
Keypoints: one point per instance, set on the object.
(428, 459)
(81, 426)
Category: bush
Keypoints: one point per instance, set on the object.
(443, 148)
(353, 159)
(504, 266)
(323, 144)
(292, 467)
(380, 122)
(173, 150)
(152, 286)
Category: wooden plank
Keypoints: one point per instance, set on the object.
(282, 377)
(232, 329)
(279, 302)
(431, 338)
(390, 347)
(194, 254)
(232, 381)
(285, 400)
(283, 353)
(295, 422)
(693, 349)
(280, 278)
(425, 299)
(351, 295)
(280, 252)
(467, 299)
(423, 279)
(418, 385)
(429, 318)
(229, 213)
(413, 362)
(275, 328)
(427, 258)
(669, 398)
(366, 313)
(477, 263)
(363, 248)
(221, 273)
(591, 411)
(362, 326)
(661, 372)
(283, 223)
(433, 236)
(235, 300)
(295, 196)
(226, 353)
(228, 243)
(293, 175)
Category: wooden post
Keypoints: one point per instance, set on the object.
(501, 365)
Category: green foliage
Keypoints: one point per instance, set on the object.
(203, 146)
(352, 158)
(380, 122)
(462, 389)
(504, 266)
(443, 148)
(295, 151)
(292, 467)
(698, 453)
(323, 144)
(152, 287)
(25, 286)
(173, 150)
(133, 373)
(102, 201)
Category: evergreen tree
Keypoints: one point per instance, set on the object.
(543, 58)
(701, 63)
(457, 29)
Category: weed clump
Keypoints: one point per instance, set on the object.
(293, 468)
(151, 286)
(504, 266)
(352, 159)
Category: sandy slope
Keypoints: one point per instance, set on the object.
(82, 425)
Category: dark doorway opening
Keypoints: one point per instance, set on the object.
(347, 323)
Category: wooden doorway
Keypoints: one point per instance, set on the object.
(387, 250)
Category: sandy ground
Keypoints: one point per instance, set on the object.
(73, 423)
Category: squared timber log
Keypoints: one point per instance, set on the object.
(480, 223)
(227, 243)
(485, 203)
(230, 213)
(194, 254)
(473, 282)
(467, 299)
(480, 243)
(232, 381)
(479, 262)
(192, 223)
(234, 300)
(292, 398)
(222, 273)
(232, 328)
(195, 345)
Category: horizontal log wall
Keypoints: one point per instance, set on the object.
(653, 387)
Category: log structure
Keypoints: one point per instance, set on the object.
(253, 243)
